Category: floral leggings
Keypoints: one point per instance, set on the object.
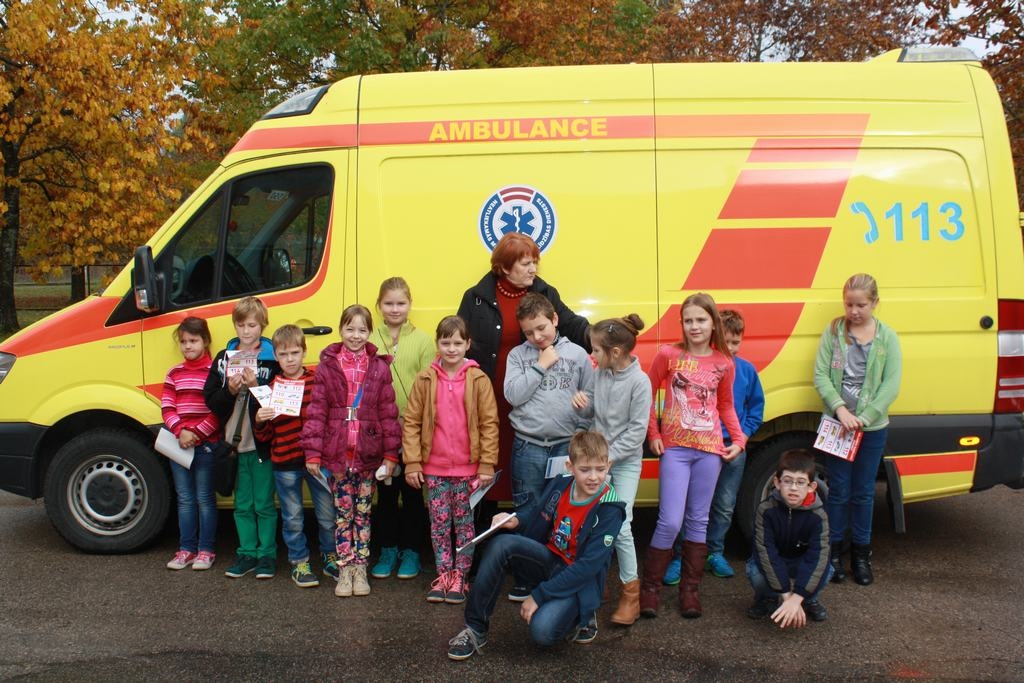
(353, 497)
(448, 504)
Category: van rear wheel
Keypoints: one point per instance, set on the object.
(106, 492)
(759, 472)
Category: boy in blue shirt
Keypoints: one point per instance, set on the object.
(790, 558)
(748, 397)
(563, 549)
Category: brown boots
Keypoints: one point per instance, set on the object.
(650, 586)
(694, 555)
(629, 604)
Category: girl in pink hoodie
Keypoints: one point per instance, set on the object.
(450, 442)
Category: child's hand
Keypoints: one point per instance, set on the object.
(414, 479)
(504, 519)
(313, 468)
(187, 439)
(264, 414)
(732, 452)
(483, 480)
(527, 609)
(235, 384)
(248, 377)
(547, 357)
(850, 422)
(658, 447)
(790, 612)
(580, 400)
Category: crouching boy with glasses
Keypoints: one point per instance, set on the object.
(790, 554)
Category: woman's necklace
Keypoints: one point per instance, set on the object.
(510, 294)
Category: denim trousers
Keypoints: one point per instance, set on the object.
(685, 487)
(531, 560)
(763, 591)
(289, 494)
(197, 502)
(529, 465)
(851, 490)
(724, 502)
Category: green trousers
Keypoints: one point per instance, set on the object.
(255, 512)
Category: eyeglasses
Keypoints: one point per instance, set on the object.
(794, 483)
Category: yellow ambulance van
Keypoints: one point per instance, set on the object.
(766, 185)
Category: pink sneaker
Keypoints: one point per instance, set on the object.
(457, 589)
(181, 559)
(204, 560)
(439, 588)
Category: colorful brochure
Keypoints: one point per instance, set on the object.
(835, 440)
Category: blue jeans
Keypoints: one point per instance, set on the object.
(553, 621)
(851, 490)
(197, 503)
(529, 464)
(289, 494)
(724, 502)
(763, 591)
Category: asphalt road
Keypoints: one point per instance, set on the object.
(946, 606)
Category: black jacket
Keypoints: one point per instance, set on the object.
(479, 308)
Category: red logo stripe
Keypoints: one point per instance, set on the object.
(786, 193)
(795, 254)
(297, 137)
(936, 463)
(761, 125)
(805, 150)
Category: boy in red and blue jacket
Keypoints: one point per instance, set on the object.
(563, 550)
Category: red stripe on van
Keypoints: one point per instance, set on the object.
(297, 137)
(936, 463)
(792, 259)
(805, 150)
(761, 125)
(79, 324)
(787, 193)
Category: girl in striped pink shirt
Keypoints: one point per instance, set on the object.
(186, 415)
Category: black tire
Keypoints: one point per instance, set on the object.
(758, 474)
(107, 492)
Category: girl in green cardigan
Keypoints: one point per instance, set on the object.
(857, 374)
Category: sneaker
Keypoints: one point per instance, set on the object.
(718, 566)
(204, 560)
(343, 589)
(386, 564)
(673, 571)
(464, 645)
(266, 567)
(330, 562)
(456, 592)
(815, 610)
(242, 566)
(408, 564)
(519, 594)
(360, 586)
(762, 608)
(586, 633)
(439, 588)
(181, 559)
(303, 576)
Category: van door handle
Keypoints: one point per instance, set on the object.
(317, 330)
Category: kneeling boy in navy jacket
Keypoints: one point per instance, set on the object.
(562, 550)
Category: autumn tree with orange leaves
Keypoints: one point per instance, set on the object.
(91, 121)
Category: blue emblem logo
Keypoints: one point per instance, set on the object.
(518, 208)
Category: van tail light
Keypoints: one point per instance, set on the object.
(1010, 369)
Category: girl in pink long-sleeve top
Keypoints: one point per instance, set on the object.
(186, 415)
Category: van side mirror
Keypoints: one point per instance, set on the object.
(147, 292)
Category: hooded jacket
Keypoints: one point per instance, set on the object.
(791, 545)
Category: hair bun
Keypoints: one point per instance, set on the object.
(633, 322)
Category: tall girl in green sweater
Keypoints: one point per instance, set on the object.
(857, 374)
(400, 529)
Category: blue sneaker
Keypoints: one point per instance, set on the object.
(672, 572)
(408, 564)
(386, 564)
(717, 565)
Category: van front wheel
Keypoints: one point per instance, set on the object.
(106, 492)
(758, 475)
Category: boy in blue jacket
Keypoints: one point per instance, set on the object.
(563, 550)
(791, 546)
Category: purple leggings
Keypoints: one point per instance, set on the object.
(685, 489)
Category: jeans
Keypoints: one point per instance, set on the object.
(625, 479)
(724, 502)
(197, 503)
(685, 488)
(529, 464)
(762, 591)
(851, 490)
(553, 620)
(289, 494)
